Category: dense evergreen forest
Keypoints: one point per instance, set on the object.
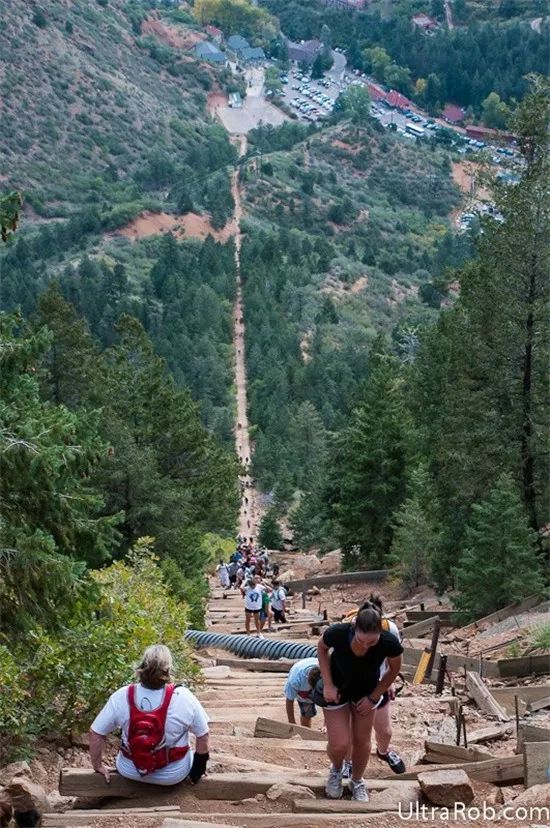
(441, 467)
(463, 65)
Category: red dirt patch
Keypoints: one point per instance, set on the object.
(191, 225)
(173, 36)
(214, 100)
(352, 149)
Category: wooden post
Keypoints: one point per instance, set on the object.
(458, 723)
(433, 646)
(464, 730)
(516, 707)
(303, 600)
(422, 608)
(441, 675)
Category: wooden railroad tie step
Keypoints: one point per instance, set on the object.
(272, 729)
(256, 819)
(84, 782)
(79, 819)
(439, 753)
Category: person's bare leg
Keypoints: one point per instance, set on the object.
(338, 734)
(257, 622)
(247, 623)
(382, 728)
(361, 729)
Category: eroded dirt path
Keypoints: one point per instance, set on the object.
(250, 510)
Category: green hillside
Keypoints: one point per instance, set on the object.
(87, 99)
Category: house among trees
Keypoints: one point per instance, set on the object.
(453, 114)
(398, 101)
(214, 33)
(304, 52)
(424, 22)
(209, 52)
(243, 51)
(235, 100)
(376, 92)
(481, 133)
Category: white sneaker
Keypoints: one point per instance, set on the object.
(334, 788)
(358, 790)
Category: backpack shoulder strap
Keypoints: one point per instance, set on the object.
(132, 696)
(163, 709)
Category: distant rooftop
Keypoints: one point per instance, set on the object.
(208, 51)
(237, 43)
(453, 114)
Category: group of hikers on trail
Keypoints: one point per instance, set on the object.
(249, 570)
(352, 680)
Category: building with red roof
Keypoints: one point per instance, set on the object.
(376, 92)
(215, 33)
(453, 114)
(397, 100)
(482, 133)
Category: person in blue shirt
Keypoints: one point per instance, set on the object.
(299, 687)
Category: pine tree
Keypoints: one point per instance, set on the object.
(49, 513)
(499, 564)
(368, 473)
(416, 536)
(270, 533)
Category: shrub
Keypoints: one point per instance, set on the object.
(73, 673)
(39, 19)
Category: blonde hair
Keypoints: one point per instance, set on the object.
(155, 667)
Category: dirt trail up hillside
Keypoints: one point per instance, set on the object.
(250, 511)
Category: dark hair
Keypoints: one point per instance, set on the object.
(313, 676)
(368, 620)
(372, 602)
(275, 582)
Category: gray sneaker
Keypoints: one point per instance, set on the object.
(358, 790)
(334, 788)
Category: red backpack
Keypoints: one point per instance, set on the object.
(146, 745)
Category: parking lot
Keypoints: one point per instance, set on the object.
(311, 100)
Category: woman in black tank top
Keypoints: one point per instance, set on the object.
(350, 656)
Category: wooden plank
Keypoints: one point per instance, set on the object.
(422, 667)
(258, 665)
(499, 615)
(344, 806)
(483, 698)
(487, 734)
(455, 662)
(505, 696)
(418, 629)
(254, 819)
(445, 616)
(84, 817)
(363, 577)
(541, 704)
(530, 733)
(193, 823)
(506, 769)
(454, 753)
(536, 757)
(538, 665)
(83, 782)
(272, 729)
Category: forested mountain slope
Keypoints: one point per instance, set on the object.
(346, 232)
(86, 99)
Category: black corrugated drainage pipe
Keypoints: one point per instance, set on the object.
(248, 646)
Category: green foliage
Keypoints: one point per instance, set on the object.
(10, 204)
(416, 535)
(539, 638)
(39, 18)
(500, 552)
(495, 111)
(354, 103)
(368, 475)
(72, 673)
(50, 514)
(270, 533)
(236, 17)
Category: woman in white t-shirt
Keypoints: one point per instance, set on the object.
(175, 760)
(252, 592)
